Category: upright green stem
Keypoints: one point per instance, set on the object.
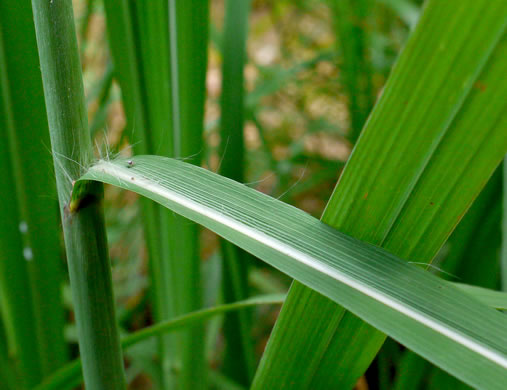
(83, 223)
(159, 49)
(153, 54)
(239, 355)
(139, 42)
(188, 38)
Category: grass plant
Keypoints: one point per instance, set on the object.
(397, 285)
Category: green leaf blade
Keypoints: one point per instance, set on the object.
(416, 97)
(69, 376)
(412, 306)
(30, 218)
(402, 171)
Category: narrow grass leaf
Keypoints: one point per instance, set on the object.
(459, 334)
(139, 41)
(16, 305)
(188, 45)
(69, 376)
(409, 180)
(239, 355)
(33, 234)
(470, 256)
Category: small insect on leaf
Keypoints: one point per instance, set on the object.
(130, 163)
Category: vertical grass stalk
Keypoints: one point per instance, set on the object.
(159, 49)
(188, 39)
(127, 58)
(83, 221)
(239, 362)
(150, 22)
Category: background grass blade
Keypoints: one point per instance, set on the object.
(504, 229)
(239, 355)
(412, 372)
(8, 379)
(85, 25)
(406, 10)
(126, 57)
(149, 48)
(32, 278)
(103, 100)
(352, 30)
(153, 46)
(188, 24)
(163, 65)
(69, 376)
(188, 40)
(20, 327)
(394, 296)
(139, 70)
(391, 182)
(83, 225)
